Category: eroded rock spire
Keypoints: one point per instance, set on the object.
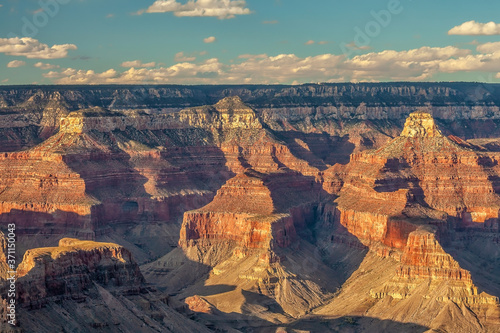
(420, 124)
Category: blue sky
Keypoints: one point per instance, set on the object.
(253, 41)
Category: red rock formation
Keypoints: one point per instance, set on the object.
(417, 178)
(397, 200)
(198, 304)
(424, 258)
(72, 267)
(106, 168)
(253, 211)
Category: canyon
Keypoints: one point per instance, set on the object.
(313, 208)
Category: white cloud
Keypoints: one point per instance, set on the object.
(70, 75)
(138, 63)
(415, 64)
(222, 9)
(488, 47)
(16, 63)
(408, 65)
(286, 68)
(210, 39)
(473, 28)
(353, 45)
(45, 66)
(205, 72)
(181, 57)
(310, 42)
(32, 48)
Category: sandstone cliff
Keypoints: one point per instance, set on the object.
(464, 109)
(406, 202)
(310, 199)
(86, 286)
(71, 268)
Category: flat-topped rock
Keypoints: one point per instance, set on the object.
(72, 267)
(420, 124)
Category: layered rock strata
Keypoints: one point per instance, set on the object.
(254, 211)
(71, 268)
(420, 177)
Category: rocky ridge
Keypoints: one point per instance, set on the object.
(273, 225)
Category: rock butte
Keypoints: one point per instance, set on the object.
(269, 224)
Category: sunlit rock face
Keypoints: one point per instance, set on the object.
(71, 268)
(414, 200)
(253, 211)
(269, 213)
(420, 174)
(420, 124)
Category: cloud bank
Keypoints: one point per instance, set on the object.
(409, 65)
(222, 9)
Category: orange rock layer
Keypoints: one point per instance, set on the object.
(253, 211)
(72, 267)
(424, 258)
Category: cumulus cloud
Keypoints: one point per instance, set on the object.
(45, 66)
(352, 45)
(209, 40)
(415, 64)
(252, 56)
(222, 9)
(16, 63)
(70, 75)
(285, 68)
(205, 72)
(487, 60)
(138, 63)
(310, 42)
(32, 48)
(408, 65)
(488, 47)
(473, 28)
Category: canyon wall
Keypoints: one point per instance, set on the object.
(29, 114)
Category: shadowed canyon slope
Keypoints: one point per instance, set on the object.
(280, 213)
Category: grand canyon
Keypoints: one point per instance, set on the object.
(370, 207)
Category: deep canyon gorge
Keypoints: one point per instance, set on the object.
(310, 208)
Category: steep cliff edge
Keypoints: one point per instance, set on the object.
(87, 286)
(271, 220)
(127, 175)
(71, 268)
(243, 236)
(420, 177)
(408, 202)
(368, 113)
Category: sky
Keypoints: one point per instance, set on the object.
(247, 42)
